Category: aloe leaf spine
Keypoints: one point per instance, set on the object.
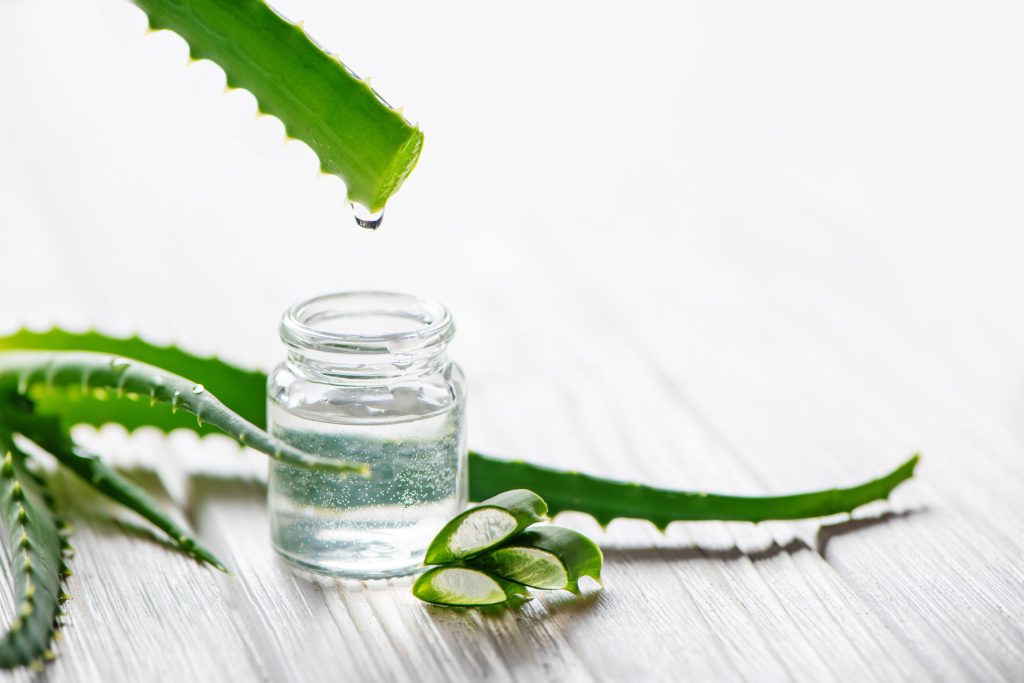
(355, 134)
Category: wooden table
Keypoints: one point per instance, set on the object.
(762, 265)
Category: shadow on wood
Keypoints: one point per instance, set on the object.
(829, 531)
(692, 552)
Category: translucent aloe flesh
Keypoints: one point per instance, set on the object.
(604, 499)
(486, 525)
(543, 556)
(356, 135)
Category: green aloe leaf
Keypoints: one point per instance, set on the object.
(244, 391)
(486, 525)
(356, 135)
(108, 481)
(605, 499)
(608, 499)
(546, 557)
(101, 376)
(464, 587)
(36, 544)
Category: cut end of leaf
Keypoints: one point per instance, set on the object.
(401, 167)
(486, 525)
(530, 566)
(545, 556)
(459, 586)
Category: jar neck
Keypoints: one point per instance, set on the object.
(366, 336)
(335, 370)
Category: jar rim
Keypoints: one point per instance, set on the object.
(318, 324)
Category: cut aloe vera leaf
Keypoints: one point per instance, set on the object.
(486, 525)
(464, 587)
(355, 134)
(547, 557)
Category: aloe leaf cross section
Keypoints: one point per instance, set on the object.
(486, 525)
(460, 586)
(488, 556)
(548, 557)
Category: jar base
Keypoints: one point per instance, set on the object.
(342, 569)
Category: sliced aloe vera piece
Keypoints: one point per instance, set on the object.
(545, 557)
(464, 587)
(486, 525)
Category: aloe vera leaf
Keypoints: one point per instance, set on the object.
(464, 587)
(544, 556)
(244, 391)
(88, 467)
(355, 134)
(608, 499)
(103, 374)
(486, 525)
(604, 499)
(36, 545)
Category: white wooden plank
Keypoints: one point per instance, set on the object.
(139, 609)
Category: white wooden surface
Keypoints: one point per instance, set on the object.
(747, 247)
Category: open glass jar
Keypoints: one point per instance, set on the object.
(367, 379)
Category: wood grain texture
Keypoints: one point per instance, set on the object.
(808, 292)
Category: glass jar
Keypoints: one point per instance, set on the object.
(367, 379)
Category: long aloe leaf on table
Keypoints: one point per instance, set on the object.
(244, 391)
(85, 375)
(356, 135)
(608, 499)
(47, 434)
(604, 499)
(37, 544)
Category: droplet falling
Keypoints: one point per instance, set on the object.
(366, 218)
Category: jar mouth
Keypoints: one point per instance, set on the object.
(374, 322)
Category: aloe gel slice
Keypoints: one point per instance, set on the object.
(486, 525)
(462, 586)
(547, 557)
